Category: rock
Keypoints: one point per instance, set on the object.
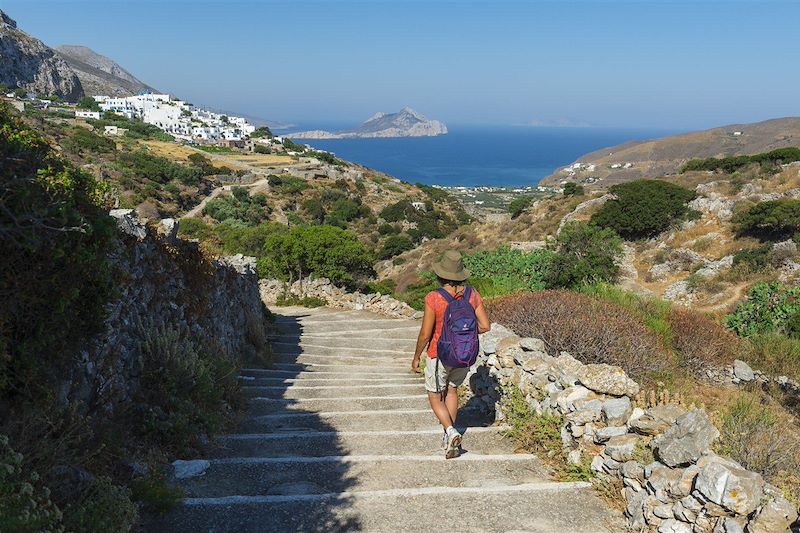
(729, 525)
(168, 230)
(617, 410)
(663, 511)
(607, 379)
(735, 489)
(622, 448)
(657, 419)
(636, 501)
(674, 526)
(597, 464)
(605, 434)
(742, 371)
(574, 457)
(529, 344)
(128, 223)
(632, 470)
(685, 441)
(489, 340)
(775, 514)
(187, 469)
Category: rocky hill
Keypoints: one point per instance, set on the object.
(27, 63)
(99, 74)
(404, 123)
(665, 156)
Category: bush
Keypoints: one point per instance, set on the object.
(145, 166)
(136, 128)
(102, 506)
(388, 229)
(194, 228)
(307, 301)
(733, 163)
(585, 254)
(385, 286)
(701, 341)
(395, 245)
(573, 189)
(752, 260)
(24, 503)
(239, 238)
(517, 206)
(768, 308)
(287, 184)
(513, 270)
(262, 149)
(87, 102)
(321, 251)
(773, 353)
(771, 220)
(81, 140)
(239, 206)
(643, 208)
(592, 330)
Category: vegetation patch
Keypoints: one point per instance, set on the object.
(768, 309)
(239, 206)
(770, 220)
(731, 164)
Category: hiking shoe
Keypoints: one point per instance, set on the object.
(453, 443)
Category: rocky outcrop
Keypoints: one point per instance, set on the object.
(405, 123)
(27, 63)
(660, 452)
(100, 75)
(383, 304)
(165, 283)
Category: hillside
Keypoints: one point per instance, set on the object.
(404, 123)
(665, 156)
(100, 75)
(27, 63)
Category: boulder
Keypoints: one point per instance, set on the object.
(657, 419)
(686, 440)
(187, 469)
(735, 489)
(607, 379)
(617, 410)
(490, 339)
(605, 434)
(775, 514)
(128, 223)
(529, 344)
(674, 526)
(742, 371)
(622, 448)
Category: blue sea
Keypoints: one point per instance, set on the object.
(503, 156)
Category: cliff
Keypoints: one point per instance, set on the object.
(665, 156)
(28, 63)
(100, 75)
(404, 123)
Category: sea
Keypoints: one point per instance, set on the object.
(497, 156)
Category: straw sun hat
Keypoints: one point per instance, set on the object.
(451, 267)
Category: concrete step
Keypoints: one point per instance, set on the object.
(328, 380)
(333, 391)
(304, 371)
(373, 420)
(266, 406)
(247, 476)
(406, 332)
(335, 326)
(339, 368)
(346, 342)
(355, 362)
(323, 349)
(483, 440)
(543, 507)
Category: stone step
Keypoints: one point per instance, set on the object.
(344, 325)
(355, 362)
(265, 406)
(404, 344)
(339, 368)
(301, 371)
(407, 332)
(542, 507)
(372, 420)
(248, 476)
(335, 391)
(483, 440)
(311, 381)
(322, 349)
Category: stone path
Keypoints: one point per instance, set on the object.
(339, 437)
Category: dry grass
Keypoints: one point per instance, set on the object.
(702, 341)
(259, 160)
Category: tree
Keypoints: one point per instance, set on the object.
(585, 254)
(643, 208)
(770, 220)
(319, 251)
(87, 102)
(519, 205)
(262, 131)
(224, 118)
(395, 245)
(573, 189)
(19, 92)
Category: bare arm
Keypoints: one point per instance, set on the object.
(483, 319)
(425, 334)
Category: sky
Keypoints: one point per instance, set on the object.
(650, 63)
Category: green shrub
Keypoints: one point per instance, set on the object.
(585, 254)
(239, 206)
(321, 251)
(146, 166)
(307, 301)
(771, 220)
(518, 205)
(752, 260)
(643, 208)
(56, 235)
(237, 237)
(260, 132)
(388, 229)
(87, 102)
(733, 163)
(262, 149)
(136, 128)
(385, 286)
(155, 493)
(513, 270)
(81, 139)
(194, 228)
(573, 189)
(102, 506)
(24, 503)
(768, 308)
(395, 245)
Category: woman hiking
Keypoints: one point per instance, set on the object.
(454, 316)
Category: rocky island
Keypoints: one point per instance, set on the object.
(404, 123)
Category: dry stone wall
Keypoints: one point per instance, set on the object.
(336, 297)
(660, 452)
(163, 282)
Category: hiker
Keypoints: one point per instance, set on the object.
(454, 316)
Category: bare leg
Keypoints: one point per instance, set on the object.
(441, 409)
(452, 403)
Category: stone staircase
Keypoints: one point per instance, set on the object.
(339, 437)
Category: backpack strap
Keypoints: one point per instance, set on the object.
(467, 294)
(446, 295)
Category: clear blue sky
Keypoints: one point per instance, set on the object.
(652, 63)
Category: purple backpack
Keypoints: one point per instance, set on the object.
(458, 345)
